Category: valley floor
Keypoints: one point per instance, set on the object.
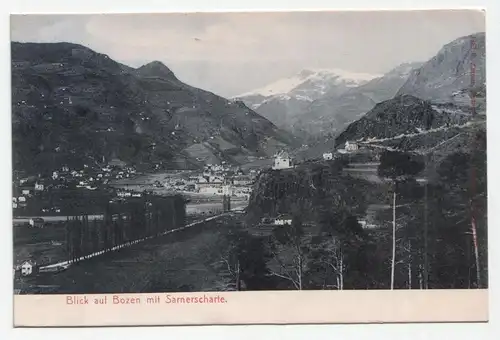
(179, 261)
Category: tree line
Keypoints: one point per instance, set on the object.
(122, 223)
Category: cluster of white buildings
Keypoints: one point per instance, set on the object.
(127, 193)
(88, 178)
(349, 147)
(221, 180)
(27, 188)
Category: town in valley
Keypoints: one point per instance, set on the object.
(265, 173)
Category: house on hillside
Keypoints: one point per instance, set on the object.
(328, 156)
(283, 220)
(27, 268)
(39, 186)
(282, 161)
(351, 146)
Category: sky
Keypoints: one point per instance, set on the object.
(232, 53)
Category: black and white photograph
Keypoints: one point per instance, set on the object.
(258, 151)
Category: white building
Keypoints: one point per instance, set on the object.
(211, 189)
(25, 191)
(216, 179)
(55, 175)
(282, 221)
(39, 186)
(351, 146)
(124, 194)
(27, 268)
(282, 161)
(328, 156)
(242, 180)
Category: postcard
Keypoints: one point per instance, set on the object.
(249, 168)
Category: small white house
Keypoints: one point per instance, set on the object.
(327, 156)
(27, 268)
(39, 186)
(55, 175)
(351, 146)
(21, 199)
(25, 192)
(282, 161)
(14, 205)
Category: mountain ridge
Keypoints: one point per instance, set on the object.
(457, 67)
(426, 111)
(288, 84)
(69, 98)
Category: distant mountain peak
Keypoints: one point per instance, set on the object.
(311, 75)
(450, 71)
(155, 69)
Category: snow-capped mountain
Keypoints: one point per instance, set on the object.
(311, 83)
(283, 100)
(330, 114)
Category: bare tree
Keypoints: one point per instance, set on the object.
(229, 267)
(289, 253)
(332, 257)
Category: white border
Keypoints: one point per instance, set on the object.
(422, 331)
